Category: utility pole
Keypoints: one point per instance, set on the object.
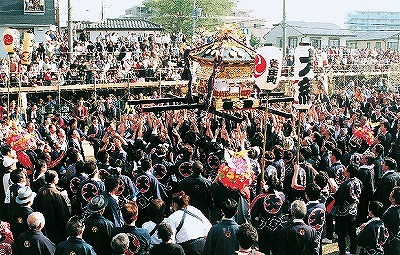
(284, 31)
(102, 9)
(70, 41)
(57, 14)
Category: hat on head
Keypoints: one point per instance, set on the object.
(25, 195)
(97, 204)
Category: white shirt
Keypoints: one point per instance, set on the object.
(192, 227)
(149, 225)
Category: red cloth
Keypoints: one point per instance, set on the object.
(6, 239)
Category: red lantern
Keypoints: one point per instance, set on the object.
(11, 40)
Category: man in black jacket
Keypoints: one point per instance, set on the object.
(33, 241)
(346, 201)
(298, 238)
(18, 216)
(387, 182)
(392, 222)
(198, 189)
(98, 228)
(75, 244)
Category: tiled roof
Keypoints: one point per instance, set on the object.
(375, 35)
(118, 24)
(317, 28)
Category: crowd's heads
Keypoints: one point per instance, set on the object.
(379, 149)
(36, 221)
(103, 156)
(197, 167)
(269, 157)
(376, 208)
(395, 196)
(313, 192)
(391, 164)
(156, 210)
(129, 212)
(145, 164)
(120, 243)
(164, 232)
(91, 167)
(111, 183)
(278, 152)
(298, 209)
(18, 176)
(247, 236)
(97, 204)
(337, 153)
(5, 149)
(25, 196)
(181, 199)
(352, 170)
(229, 208)
(51, 176)
(272, 183)
(80, 167)
(187, 152)
(75, 226)
(368, 158)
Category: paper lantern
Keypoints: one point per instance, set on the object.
(303, 57)
(267, 67)
(27, 48)
(303, 73)
(10, 40)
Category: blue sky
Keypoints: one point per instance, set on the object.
(333, 11)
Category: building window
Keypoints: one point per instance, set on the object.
(352, 45)
(292, 43)
(378, 45)
(334, 42)
(34, 6)
(316, 42)
(393, 45)
(368, 45)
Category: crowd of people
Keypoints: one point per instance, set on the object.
(112, 58)
(153, 186)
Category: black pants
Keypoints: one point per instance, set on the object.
(346, 226)
(329, 226)
(194, 246)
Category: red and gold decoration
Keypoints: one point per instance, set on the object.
(236, 173)
(366, 133)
